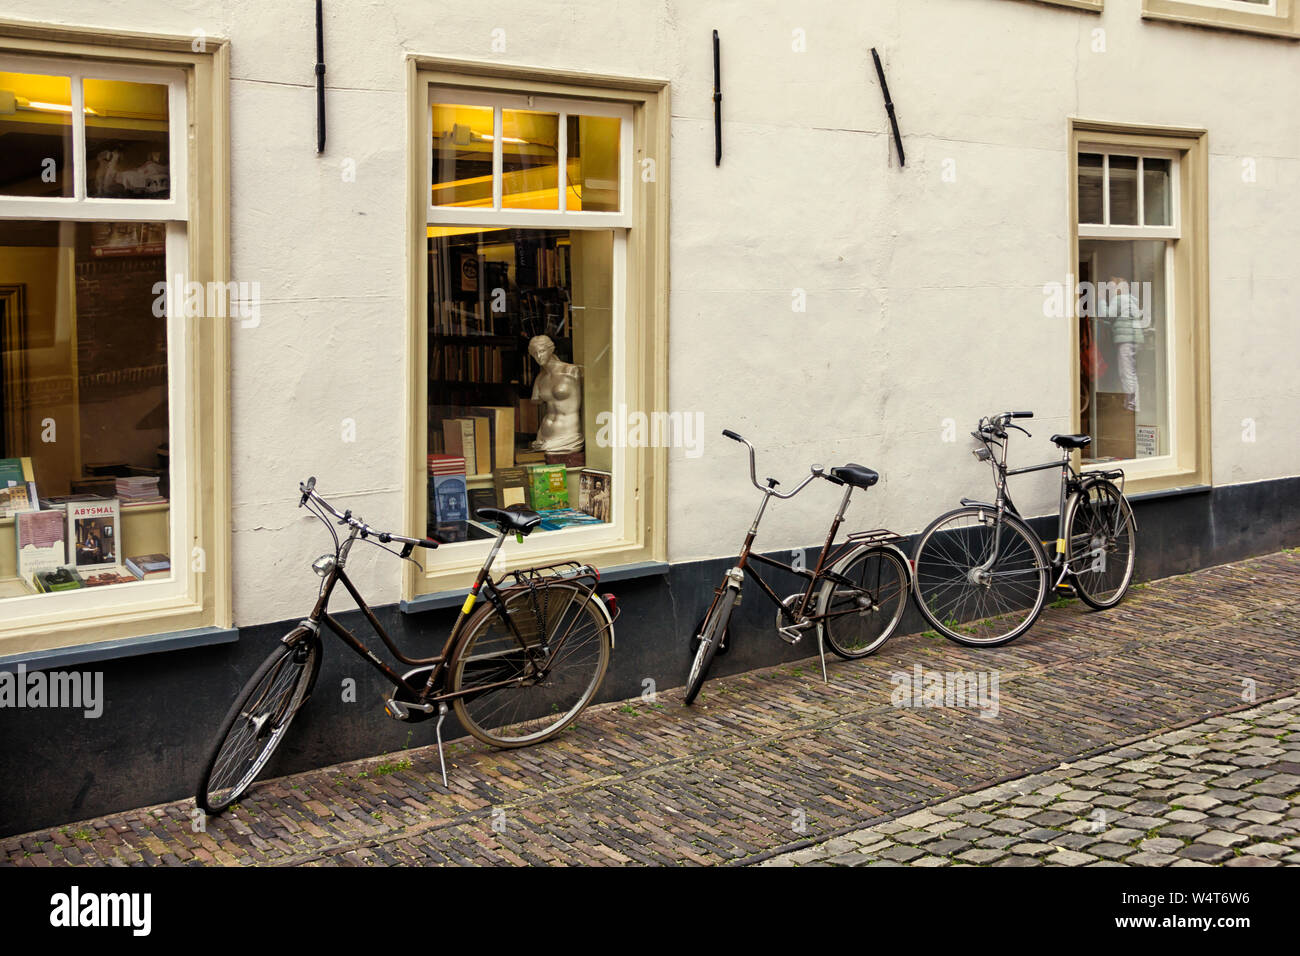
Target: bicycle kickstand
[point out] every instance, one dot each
(821, 652)
(442, 715)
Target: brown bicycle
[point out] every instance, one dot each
(854, 597)
(525, 656)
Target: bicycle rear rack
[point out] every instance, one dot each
(878, 536)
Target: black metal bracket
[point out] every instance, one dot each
(320, 80)
(717, 103)
(889, 107)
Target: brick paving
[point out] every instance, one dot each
(1223, 791)
(775, 760)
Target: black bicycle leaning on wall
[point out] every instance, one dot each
(854, 597)
(981, 575)
(525, 655)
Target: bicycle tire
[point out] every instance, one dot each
(531, 710)
(710, 636)
(950, 600)
(855, 635)
(1091, 524)
(270, 699)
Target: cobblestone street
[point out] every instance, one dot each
(1223, 791)
(774, 766)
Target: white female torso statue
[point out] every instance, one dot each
(559, 386)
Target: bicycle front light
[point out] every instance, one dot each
(323, 565)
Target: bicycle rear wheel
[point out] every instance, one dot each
(710, 638)
(966, 602)
(529, 682)
(1102, 540)
(862, 605)
(257, 722)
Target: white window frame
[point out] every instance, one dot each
(1158, 464)
(1262, 9)
(561, 218)
(33, 611)
(566, 542)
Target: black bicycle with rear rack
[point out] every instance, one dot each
(854, 597)
(981, 575)
(525, 656)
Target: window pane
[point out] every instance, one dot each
(530, 143)
(85, 410)
(1156, 192)
(1090, 188)
(35, 135)
(1123, 191)
(520, 329)
(128, 151)
(593, 145)
(1124, 329)
(462, 156)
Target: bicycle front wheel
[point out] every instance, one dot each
(524, 684)
(978, 581)
(1102, 540)
(257, 722)
(710, 637)
(861, 605)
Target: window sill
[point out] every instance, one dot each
(1091, 6)
(112, 650)
(1212, 18)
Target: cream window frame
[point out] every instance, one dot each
(197, 246)
(1187, 292)
(639, 347)
(1281, 20)
(1090, 6)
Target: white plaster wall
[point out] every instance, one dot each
(924, 296)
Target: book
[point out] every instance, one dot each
(446, 465)
(145, 565)
(482, 445)
(17, 487)
(65, 578)
(501, 422)
(570, 459)
(549, 485)
(511, 486)
(556, 519)
(449, 500)
(39, 536)
(93, 533)
(138, 490)
(458, 440)
(481, 498)
(529, 457)
(98, 579)
(594, 489)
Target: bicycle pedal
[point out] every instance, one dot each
(791, 634)
(396, 709)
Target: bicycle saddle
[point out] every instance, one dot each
(859, 476)
(1072, 441)
(510, 522)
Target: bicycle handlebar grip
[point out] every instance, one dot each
(430, 543)
(728, 433)
(1022, 414)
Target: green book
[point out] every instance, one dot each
(550, 486)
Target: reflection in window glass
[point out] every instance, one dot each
(1155, 192)
(592, 164)
(85, 346)
(1123, 191)
(1124, 324)
(530, 143)
(35, 135)
(128, 153)
(462, 155)
(519, 369)
(1090, 189)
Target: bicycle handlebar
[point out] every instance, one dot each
(308, 489)
(816, 471)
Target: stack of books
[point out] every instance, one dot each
(149, 566)
(448, 502)
(138, 490)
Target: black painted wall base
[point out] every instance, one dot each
(161, 710)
